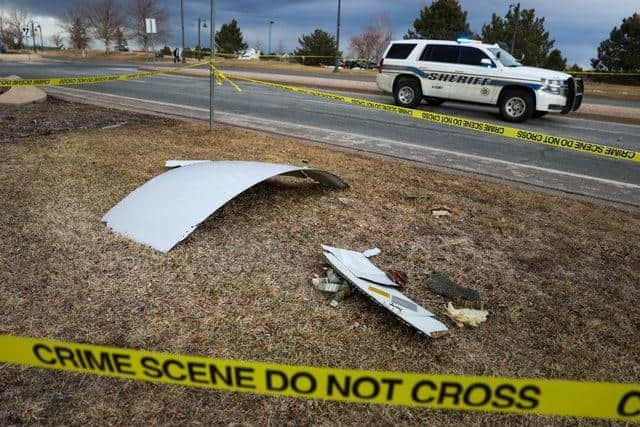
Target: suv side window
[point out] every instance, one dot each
(441, 53)
(472, 56)
(400, 50)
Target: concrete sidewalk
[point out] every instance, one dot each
(588, 111)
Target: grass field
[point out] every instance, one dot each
(560, 277)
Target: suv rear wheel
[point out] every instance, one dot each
(516, 105)
(407, 92)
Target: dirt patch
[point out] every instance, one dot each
(22, 122)
(560, 277)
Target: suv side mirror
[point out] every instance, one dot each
(486, 62)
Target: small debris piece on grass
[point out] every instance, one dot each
(466, 316)
(398, 277)
(440, 212)
(371, 252)
(445, 287)
(114, 126)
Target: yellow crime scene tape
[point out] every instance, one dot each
(476, 125)
(465, 393)
(61, 81)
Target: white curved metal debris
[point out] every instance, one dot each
(166, 209)
(386, 296)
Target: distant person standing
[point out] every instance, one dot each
(175, 56)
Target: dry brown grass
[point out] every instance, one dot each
(609, 90)
(559, 276)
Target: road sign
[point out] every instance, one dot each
(26, 31)
(150, 25)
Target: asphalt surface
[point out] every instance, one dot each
(273, 104)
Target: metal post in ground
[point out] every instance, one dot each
(182, 25)
(212, 45)
(199, 45)
(335, 69)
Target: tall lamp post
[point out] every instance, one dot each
(182, 25)
(212, 76)
(202, 22)
(335, 69)
(271, 22)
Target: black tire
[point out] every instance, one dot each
(407, 92)
(516, 105)
(539, 114)
(434, 102)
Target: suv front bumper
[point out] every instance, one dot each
(563, 104)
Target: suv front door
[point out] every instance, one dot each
(474, 71)
(437, 61)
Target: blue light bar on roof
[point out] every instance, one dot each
(465, 40)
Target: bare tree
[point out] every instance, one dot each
(11, 28)
(76, 24)
(374, 39)
(259, 47)
(138, 11)
(105, 17)
(58, 40)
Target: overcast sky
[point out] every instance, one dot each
(578, 26)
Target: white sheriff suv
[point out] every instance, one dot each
(472, 71)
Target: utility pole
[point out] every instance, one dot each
(335, 69)
(213, 55)
(182, 25)
(271, 22)
(33, 38)
(516, 14)
(41, 39)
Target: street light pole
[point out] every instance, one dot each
(200, 22)
(182, 24)
(271, 22)
(212, 45)
(335, 69)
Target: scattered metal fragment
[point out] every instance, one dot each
(371, 252)
(445, 287)
(398, 277)
(418, 197)
(360, 265)
(466, 316)
(169, 207)
(386, 296)
(113, 126)
(440, 212)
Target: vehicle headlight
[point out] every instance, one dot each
(556, 87)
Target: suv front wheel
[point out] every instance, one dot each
(516, 105)
(407, 92)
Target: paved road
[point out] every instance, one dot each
(271, 104)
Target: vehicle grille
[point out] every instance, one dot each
(575, 92)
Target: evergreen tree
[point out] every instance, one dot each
(229, 38)
(621, 51)
(531, 38)
(318, 43)
(442, 20)
(555, 61)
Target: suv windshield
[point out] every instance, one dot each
(504, 57)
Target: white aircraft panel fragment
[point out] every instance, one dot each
(166, 209)
(360, 265)
(391, 299)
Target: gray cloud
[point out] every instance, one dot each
(576, 25)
